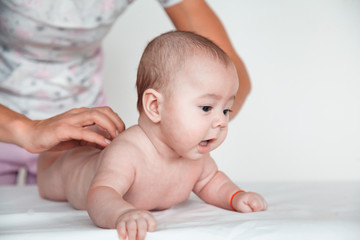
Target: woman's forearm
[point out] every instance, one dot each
(60, 132)
(13, 126)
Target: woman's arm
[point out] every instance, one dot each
(61, 132)
(196, 16)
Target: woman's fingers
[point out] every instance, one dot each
(83, 136)
(71, 129)
(104, 117)
(115, 118)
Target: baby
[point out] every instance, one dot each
(186, 86)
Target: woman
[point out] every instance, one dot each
(51, 61)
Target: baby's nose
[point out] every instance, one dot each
(221, 120)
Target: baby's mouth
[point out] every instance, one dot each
(204, 146)
(204, 143)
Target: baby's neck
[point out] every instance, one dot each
(153, 132)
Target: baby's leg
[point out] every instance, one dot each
(67, 176)
(50, 184)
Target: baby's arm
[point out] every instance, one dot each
(105, 203)
(108, 209)
(215, 188)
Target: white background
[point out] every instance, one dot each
(301, 121)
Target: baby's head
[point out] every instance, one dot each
(168, 54)
(186, 86)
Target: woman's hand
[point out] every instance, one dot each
(71, 129)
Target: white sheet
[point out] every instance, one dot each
(296, 211)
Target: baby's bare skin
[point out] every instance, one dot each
(159, 162)
(138, 178)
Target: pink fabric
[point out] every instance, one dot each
(12, 158)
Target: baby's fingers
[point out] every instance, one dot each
(135, 229)
(131, 228)
(256, 205)
(121, 230)
(151, 222)
(142, 228)
(250, 202)
(146, 224)
(244, 207)
(127, 230)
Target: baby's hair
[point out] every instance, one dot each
(165, 55)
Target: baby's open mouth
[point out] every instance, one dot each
(206, 142)
(204, 146)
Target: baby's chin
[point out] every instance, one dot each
(196, 155)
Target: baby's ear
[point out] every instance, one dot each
(152, 100)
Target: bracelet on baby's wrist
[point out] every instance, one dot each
(232, 197)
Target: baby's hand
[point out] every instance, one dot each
(134, 224)
(249, 202)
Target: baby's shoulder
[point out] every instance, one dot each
(131, 142)
(133, 136)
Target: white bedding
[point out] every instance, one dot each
(296, 211)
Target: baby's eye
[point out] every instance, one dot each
(206, 108)
(227, 111)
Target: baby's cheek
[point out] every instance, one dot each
(221, 138)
